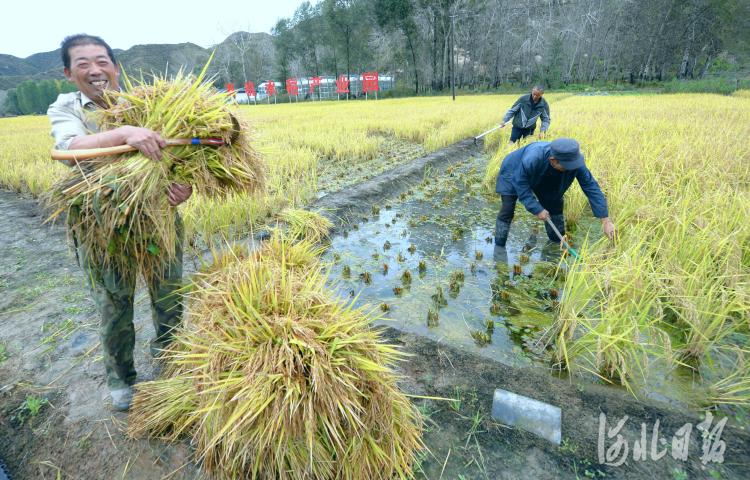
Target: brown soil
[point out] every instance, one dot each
(52, 348)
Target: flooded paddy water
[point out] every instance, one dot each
(426, 258)
(429, 262)
(471, 316)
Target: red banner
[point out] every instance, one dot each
(291, 86)
(370, 82)
(229, 87)
(314, 83)
(270, 88)
(250, 89)
(342, 84)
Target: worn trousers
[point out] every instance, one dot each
(517, 134)
(553, 205)
(113, 293)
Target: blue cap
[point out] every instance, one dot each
(567, 152)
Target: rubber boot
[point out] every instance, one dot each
(501, 232)
(559, 221)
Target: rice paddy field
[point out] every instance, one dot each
(653, 325)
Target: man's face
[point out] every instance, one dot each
(92, 71)
(536, 95)
(556, 165)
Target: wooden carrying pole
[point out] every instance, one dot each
(89, 153)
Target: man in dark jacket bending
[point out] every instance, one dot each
(538, 175)
(525, 112)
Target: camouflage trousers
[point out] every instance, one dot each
(113, 294)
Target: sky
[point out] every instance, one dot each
(133, 22)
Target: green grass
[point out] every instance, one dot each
(723, 85)
(455, 402)
(56, 332)
(30, 408)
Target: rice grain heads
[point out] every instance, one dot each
(117, 206)
(274, 377)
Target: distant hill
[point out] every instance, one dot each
(160, 58)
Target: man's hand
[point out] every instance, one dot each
(608, 227)
(502, 125)
(543, 215)
(177, 193)
(542, 134)
(147, 141)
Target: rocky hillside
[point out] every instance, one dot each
(256, 49)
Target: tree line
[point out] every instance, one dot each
(489, 43)
(33, 97)
(480, 44)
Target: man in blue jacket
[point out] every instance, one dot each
(538, 175)
(525, 112)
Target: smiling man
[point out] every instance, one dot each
(538, 175)
(90, 63)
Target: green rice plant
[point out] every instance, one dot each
(118, 207)
(454, 287)
(457, 276)
(273, 376)
(433, 317)
(438, 298)
(481, 338)
(608, 330)
(305, 224)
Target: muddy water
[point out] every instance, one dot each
(447, 225)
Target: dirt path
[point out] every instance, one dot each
(51, 343)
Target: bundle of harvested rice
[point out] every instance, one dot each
(305, 224)
(274, 377)
(118, 205)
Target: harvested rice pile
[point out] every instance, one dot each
(274, 377)
(119, 204)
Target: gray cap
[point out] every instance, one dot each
(567, 152)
